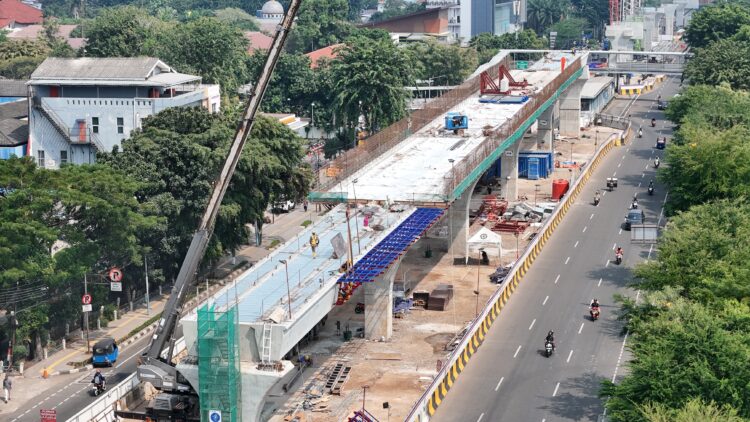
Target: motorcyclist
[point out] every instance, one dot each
(596, 198)
(653, 122)
(619, 252)
(595, 304)
(640, 132)
(651, 187)
(656, 162)
(551, 338)
(98, 380)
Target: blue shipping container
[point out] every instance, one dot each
(543, 167)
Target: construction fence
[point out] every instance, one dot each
(376, 145)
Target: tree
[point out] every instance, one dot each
(711, 165)
(733, 59)
(292, 86)
(209, 48)
(445, 64)
(488, 45)
(370, 76)
(178, 154)
(694, 410)
(395, 8)
(715, 23)
(13, 49)
(713, 107)
(569, 32)
(237, 18)
(704, 253)
(125, 31)
(357, 6)
(20, 67)
(544, 13)
(320, 23)
(682, 351)
(596, 13)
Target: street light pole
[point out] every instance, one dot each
(364, 394)
(571, 152)
(450, 212)
(148, 304)
(356, 211)
(86, 314)
(536, 190)
(516, 245)
(596, 141)
(288, 292)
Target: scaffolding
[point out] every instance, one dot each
(218, 363)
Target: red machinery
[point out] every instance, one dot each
(488, 86)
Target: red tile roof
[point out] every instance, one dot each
(327, 52)
(32, 31)
(5, 22)
(258, 41)
(19, 13)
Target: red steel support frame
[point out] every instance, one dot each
(488, 86)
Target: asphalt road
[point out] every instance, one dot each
(509, 379)
(71, 393)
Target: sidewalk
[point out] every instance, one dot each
(75, 356)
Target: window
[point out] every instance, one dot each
(120, 125)
(215, 108)
(40, 158)
(63, 157)
(95, 124)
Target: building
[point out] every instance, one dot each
(257, 41)
(15, 14)
(269, 16)
(430, 23)
(81, 106)
(596, 93)
(469, 18)
(294, 123)
(329, 53)
(33, 32)
(14, 127)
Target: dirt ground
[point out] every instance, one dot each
(398, 370)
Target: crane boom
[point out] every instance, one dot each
(153, 368)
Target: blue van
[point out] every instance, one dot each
(105, 352)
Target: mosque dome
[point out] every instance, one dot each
(272, 7)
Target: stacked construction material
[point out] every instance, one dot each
(440, 297)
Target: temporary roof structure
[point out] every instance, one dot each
(487, 239)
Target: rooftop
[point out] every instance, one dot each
(325, 52)
(258, 41)
(14, 129)
(32, 31)
(18, 12)
(595, 85)
(140, 71)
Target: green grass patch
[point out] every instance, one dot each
(274, 243)
(138, 329)
(306, 223)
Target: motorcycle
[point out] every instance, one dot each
(650, 190)
(653, 122)
(656, 163)
(98, 389)
(548, 348)
(594, 312)
(634, 205)
(618, 258)
(640, 133)
(596, 201)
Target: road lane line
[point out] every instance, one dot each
(639, 184)
(480, 417)
(592, 216)
(558, 276)
(555, 392)
(618, 165)
(646, 168)
(517, 350)
(600, 280)
(497, 387)
(614, 174)
(620, 232)
(604, 193)
(569, 356)
(624, 340)
(650, 249)
(584, 229)
(576, 245)
(614, 245)
(607, 264)
(566, 260)
(532, 323)
(581, 328)
(545, 301)
(642, 175)
(623, 157)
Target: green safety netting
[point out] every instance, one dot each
(218, 363)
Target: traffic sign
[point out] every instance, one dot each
(214, 415)
(115, 274)
(115, 286)
(86, 299)
(86, 308)
(48, 415)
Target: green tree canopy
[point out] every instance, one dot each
(373, 73)
(292, 86)
(320, 23)
(445, 64)
(569, 32)
(237, 18)
(722, 61)
(718, 107)
(542, 14)
(714, 23)
(487, 45)
(125, 31)
(704, 253)
(694, 410)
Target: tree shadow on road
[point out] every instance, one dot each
(578, 399)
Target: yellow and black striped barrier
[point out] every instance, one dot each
(501, 297)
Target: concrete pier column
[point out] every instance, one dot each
(509, 172)
(546, 123)
(379, 305)
(570, 110)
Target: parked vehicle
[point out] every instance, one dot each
(105, 352)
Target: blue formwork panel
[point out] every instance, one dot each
(533, 173)
(380, 257)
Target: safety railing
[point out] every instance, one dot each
(463, 169)
(376, 145)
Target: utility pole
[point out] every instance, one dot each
(288, 292)
(364, 394)
(86, 314)
(145, 265)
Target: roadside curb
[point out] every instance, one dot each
(71, 371)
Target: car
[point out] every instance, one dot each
(283, 205)
(662, 105)
(105, 352)
(635, 216)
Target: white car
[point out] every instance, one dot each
(284, 205)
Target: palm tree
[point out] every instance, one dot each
(544, 13)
